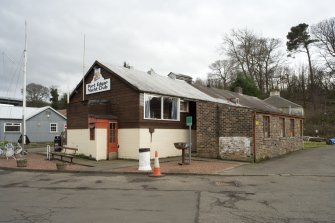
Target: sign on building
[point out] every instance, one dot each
(98, 84)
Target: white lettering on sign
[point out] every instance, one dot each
(98, 84)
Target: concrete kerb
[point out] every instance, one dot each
(87, 172)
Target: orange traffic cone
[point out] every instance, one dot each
(157, 169)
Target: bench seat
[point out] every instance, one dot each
(64, 154)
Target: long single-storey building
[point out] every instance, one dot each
(253, 132)
(115, 111)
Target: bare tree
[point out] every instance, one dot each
(324, 32)
(256, 57)
(222, 73)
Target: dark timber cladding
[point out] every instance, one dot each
(122, 101)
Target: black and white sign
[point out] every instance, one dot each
(98, 84)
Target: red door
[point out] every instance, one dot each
(112, 137)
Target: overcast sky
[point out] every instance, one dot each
(182, 36)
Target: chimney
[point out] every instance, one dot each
(238, 90)
(182, 77)
(274, 93)
(151, 72)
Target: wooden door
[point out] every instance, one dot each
(112, 137)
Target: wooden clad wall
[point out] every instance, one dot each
(122, 101)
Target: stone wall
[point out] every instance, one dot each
(207, 129)
(227, 132)
(235, 133)
(275, 145)
(233, 123)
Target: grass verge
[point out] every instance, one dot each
(309, 145)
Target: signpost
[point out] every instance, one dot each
(189, 124)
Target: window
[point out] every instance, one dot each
(92, 133)
(282, 127)
(160, 107)
(184, 106)
(112, 132)
(53, 128)
(170, 108)
(153, 106)
(301, 128)
(291, 127)
(266, 126)
(13, 127)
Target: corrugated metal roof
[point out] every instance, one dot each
(244, 100)
(15, 112)
(280, 102)
(155, 83)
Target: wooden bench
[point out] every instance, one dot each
(63, 153)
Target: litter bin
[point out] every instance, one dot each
(144, 159)
(57, 144)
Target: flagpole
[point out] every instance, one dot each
(84, 71)
(24, 88)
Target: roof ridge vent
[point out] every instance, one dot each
(235, 100)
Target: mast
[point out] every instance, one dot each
(24, 88)
(84, 71)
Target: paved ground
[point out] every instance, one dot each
(299, 187)
(309, 162)
(37, 161)
(316, 159)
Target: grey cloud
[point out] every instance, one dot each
(180, 36)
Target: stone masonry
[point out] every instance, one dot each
(276, 145)
(228, 132)
(207, 130)
(231, 122)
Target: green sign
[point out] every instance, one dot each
(189, 120)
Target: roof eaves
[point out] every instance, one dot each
(42, 110)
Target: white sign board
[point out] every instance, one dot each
(98, 84)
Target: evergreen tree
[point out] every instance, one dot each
(299, 40)
(54, 98)
(247, 84)
(63, 102)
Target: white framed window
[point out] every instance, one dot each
(12, 127)
(53, 128)
(161, 107)
(184, 106)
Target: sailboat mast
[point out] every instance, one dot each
(84, 70)
(24, 89)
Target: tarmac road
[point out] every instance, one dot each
(297, 188)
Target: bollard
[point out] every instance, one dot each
(48, 152)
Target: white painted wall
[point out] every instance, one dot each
(80, 138)
(130, 140)
(129, 143)
(234, 145)
(101, 144)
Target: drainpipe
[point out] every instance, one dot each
(254, 136)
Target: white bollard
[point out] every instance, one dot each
(48, 152)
